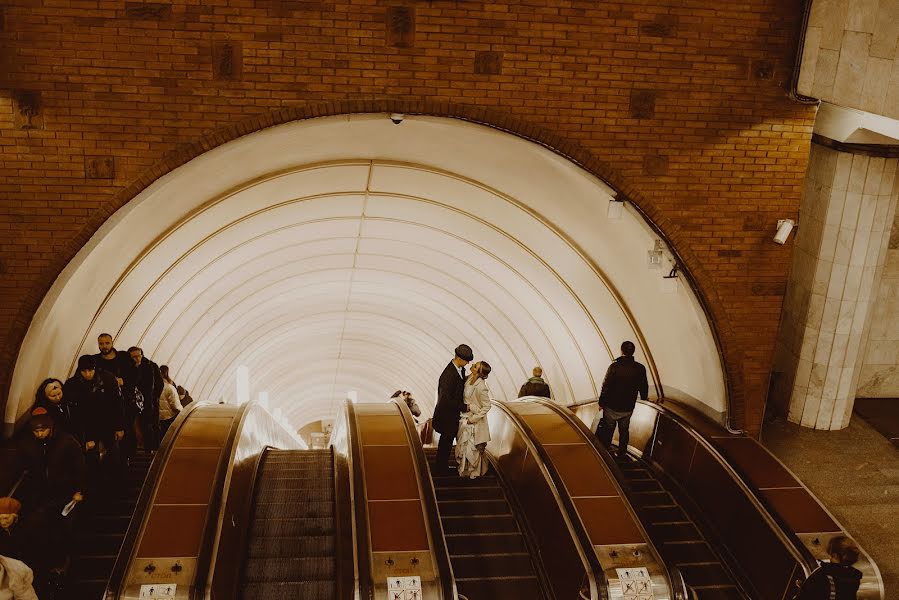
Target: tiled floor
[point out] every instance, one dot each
(855, 473)
(882, 414)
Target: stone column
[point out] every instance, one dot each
(845, 220)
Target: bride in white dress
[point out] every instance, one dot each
(474, 432)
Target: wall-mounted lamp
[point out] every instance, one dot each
(654, 256)
(784, 227)
(616, 209)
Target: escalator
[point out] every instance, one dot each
(679, 538)
(488, 551)
(99, 533)
(291, 545)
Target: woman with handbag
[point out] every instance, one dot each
(474, 432)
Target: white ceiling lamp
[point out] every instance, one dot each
(243, 384)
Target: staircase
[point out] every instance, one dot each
(100, 530)
(488, 552)
(677, 537)
(291, 549)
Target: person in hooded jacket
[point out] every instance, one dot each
(54, 478)
(50, 395)
(838, 579)
(100, 412)
(54, 464)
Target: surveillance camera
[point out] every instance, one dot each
(397, 118)
(784, 227)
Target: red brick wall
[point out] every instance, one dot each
(681, 107)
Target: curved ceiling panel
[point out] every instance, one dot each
(348, 254)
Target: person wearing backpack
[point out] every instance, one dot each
(837, 579)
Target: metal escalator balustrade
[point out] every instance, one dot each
(398, 524)
(291, 553)
(585, 519)
(488, 551)
(767, 526)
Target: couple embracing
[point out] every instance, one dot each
(463, 400)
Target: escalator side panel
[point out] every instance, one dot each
(257, 430)
(561, 555)
(401, 542)
(167, 545)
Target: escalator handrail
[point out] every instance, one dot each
(777, 525)
(617, 477)
(432, 512)
(359, 495)
(592, 567)
(144, 500)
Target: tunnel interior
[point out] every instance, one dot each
(347, 256)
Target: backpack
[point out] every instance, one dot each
(133, 397)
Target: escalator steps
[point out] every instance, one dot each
(292, 527)
(488, 552)
(290, 510)
(292, 546)
(291, 543)
(290, 590)
(485, 543)
(317, 568)
(678, 540)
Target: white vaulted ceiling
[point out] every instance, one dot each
(353, 254)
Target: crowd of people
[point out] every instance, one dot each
(80, 439)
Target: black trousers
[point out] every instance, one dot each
(444, 448)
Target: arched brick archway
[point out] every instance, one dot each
(572, 151)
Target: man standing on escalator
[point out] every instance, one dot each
(450, 405)
(624, 380)
(144, 374)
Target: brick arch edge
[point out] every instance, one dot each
(689, 266)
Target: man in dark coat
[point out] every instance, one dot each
(100, 410)
(450, 405)
(144, 375)
(624, 380)
(117, 363)
(535, 386)
(111, 360)
(55, 477)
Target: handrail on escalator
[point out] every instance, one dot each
(364, 582)
(593, 571)
(119, 570)
(780, 529)
(432, 513)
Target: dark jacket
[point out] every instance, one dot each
(115, 367)
(148, 380)
(624, 380)
(55, 469)
(817, 587)
(450, 403)
(535, 386)
(64, 415)
(100, 412)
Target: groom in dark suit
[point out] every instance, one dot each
(450, 406)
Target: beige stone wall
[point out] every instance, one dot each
(851, 56)
(844, 228)
(879, 376)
